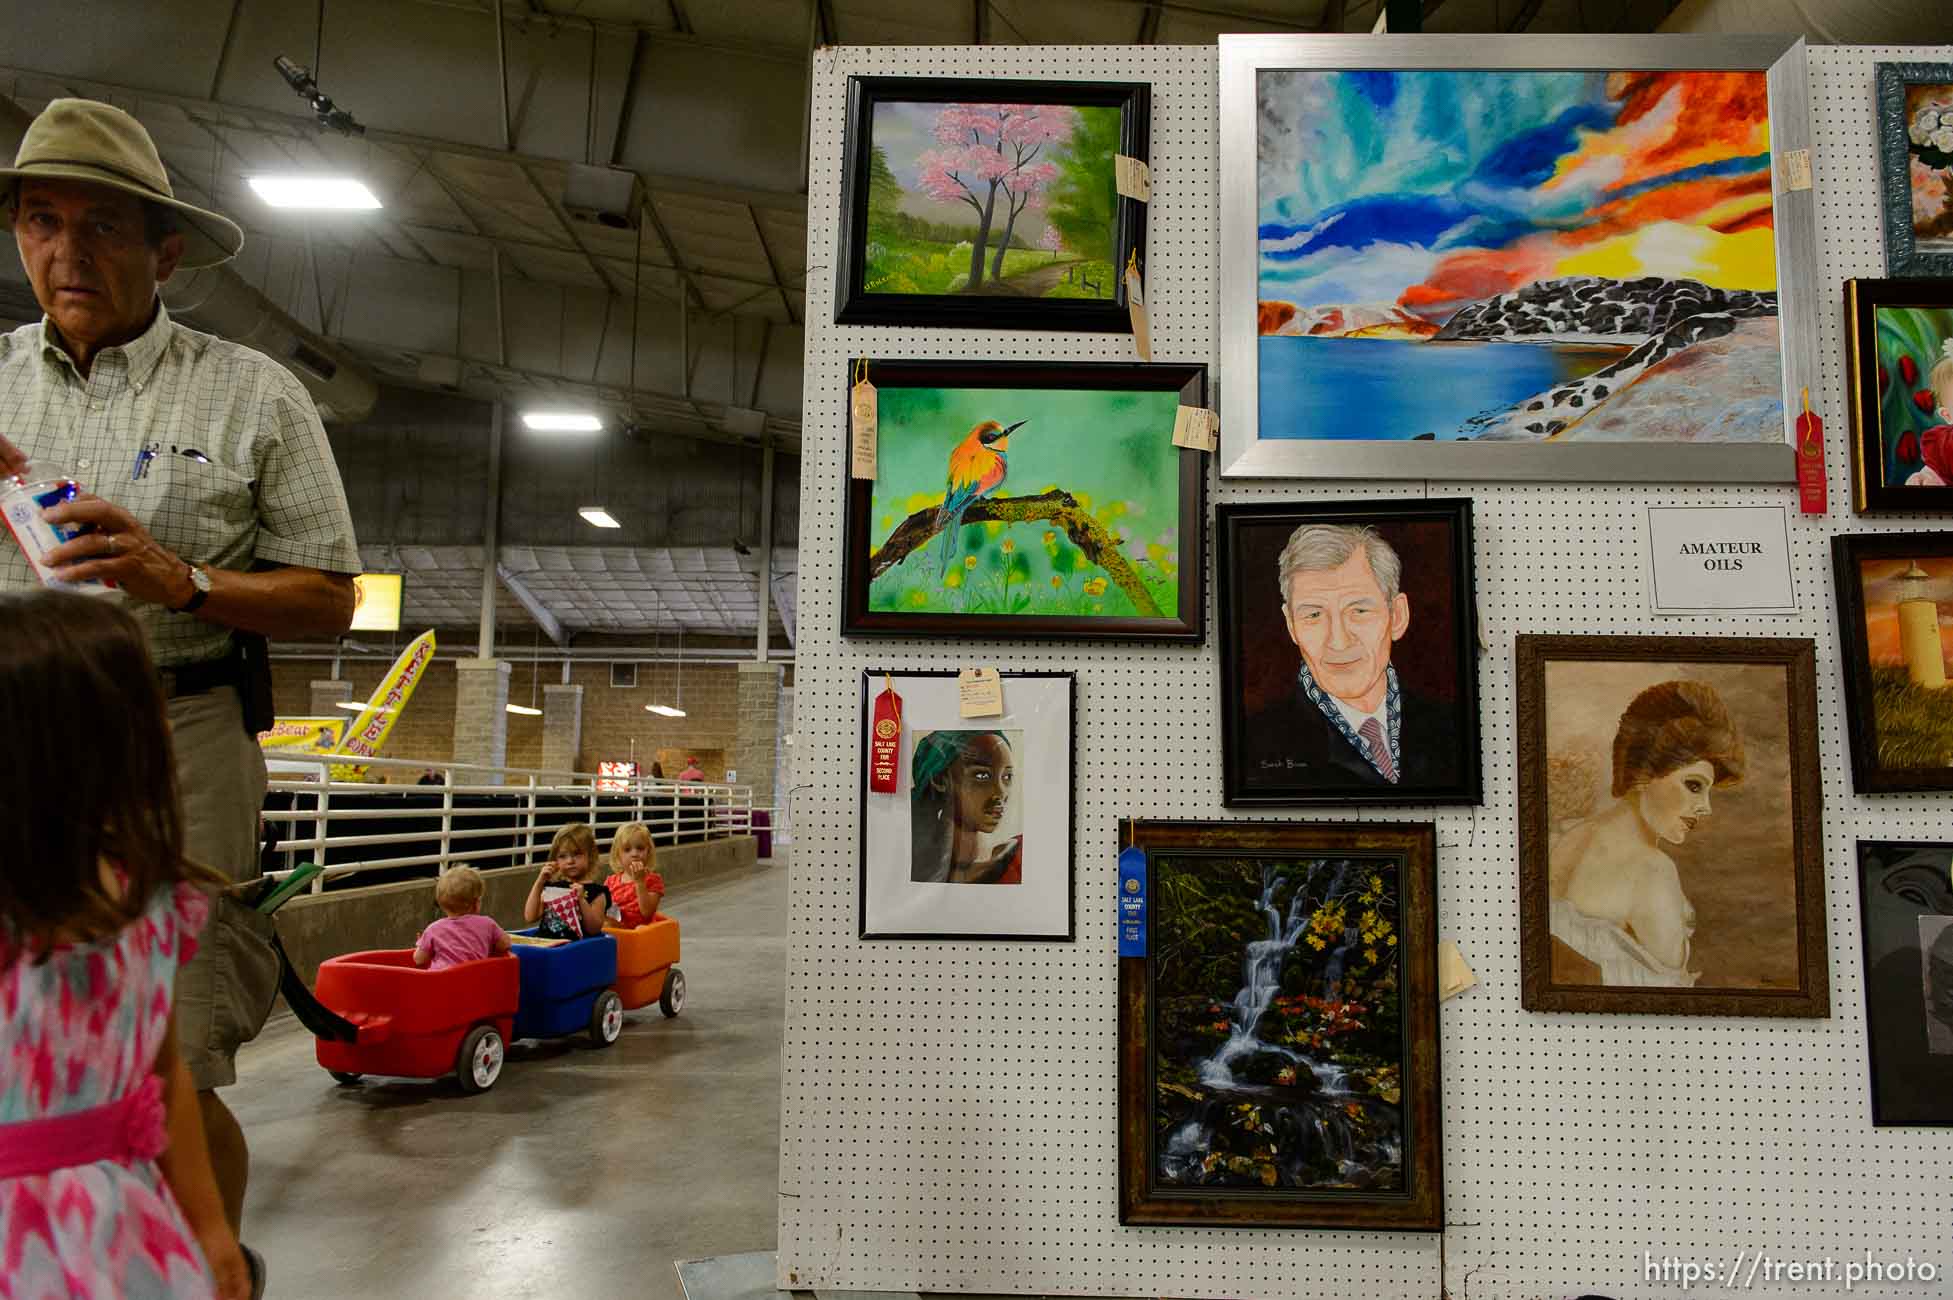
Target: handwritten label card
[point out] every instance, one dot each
(864, 413)
(1454, 976)
(1793, 170)
(1196, 427)
(1719, 560)
(1142, 324)
(1132, 178)
(980, 694)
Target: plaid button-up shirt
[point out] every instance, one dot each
(267, 493)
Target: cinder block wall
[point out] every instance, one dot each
(612, 718)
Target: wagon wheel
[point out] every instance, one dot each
(672, 1000)
(479, 1062)
(606, 1019)
(347, 1077)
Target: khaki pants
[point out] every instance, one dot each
(224, 992)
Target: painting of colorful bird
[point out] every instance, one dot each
(976, 469)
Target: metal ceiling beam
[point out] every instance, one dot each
(628, 102)
(569, 230)
(224, 49)
(772, 267)
(663, 35)
(681, 21)
(1149, 24)
(551, 625)
(980, 22)
(830, 31)
(649, 212)
(261, 119)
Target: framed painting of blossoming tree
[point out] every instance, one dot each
(988, 203)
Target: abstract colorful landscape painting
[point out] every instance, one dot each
(1015, 502)
(1540, 256)
(1004, 200)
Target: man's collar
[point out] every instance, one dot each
(140, 355)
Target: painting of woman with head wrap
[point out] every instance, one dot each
(961, 825)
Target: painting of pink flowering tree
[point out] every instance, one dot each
(1008, 200)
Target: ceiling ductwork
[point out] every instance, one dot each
(218, 301)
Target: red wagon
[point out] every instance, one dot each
(419, 1024)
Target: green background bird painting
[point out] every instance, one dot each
(1111, 450)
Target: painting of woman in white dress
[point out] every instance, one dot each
(1670, 849)
(1618, 904)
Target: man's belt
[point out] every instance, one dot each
(199, 678)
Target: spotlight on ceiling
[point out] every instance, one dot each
(319, 193)
(664, 710)
(562, 422)
(330, 116)
(524, 710)
(598, 517)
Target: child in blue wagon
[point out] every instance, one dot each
(463, 933)
(565, 903)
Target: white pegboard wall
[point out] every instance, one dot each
(949, 1113)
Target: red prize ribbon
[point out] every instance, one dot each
(1810, 460)
(885, 741)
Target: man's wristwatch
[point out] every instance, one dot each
(199, 589)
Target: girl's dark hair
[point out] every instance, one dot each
(86, 770)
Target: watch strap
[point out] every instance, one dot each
(199, 592)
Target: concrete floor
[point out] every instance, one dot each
(582, 1172)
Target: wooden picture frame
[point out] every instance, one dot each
(1358, 1143)
(1281, 745)
(1905, 910)
(1662, 726)
(1019, 883)
(1892, 710)
(1898, 333)
(1898, 151)
(1382, 324)
(1103, 542)
(868, 173)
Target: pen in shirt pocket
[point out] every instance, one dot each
(191, 453)
(140, 469)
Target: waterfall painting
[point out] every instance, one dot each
(988, 202)
(1279, 1051)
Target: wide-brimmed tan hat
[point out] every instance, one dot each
(86, 140)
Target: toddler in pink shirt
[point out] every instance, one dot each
(463, 934)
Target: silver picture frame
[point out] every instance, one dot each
(1902, 255)
(1245, 454)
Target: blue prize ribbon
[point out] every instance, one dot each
(1132, 903)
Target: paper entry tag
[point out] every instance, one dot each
(1132, 903)
(1132, 178)
(862, 410)
(980, 693)
(1793, 170)
(1196, 427)
(1142, 326)
(1454, 977)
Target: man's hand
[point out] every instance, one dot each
(119, 550)
(12, 460)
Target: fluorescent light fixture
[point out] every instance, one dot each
(562, 421)
(337, 193)
(664, 710)
(524, 710)
(598, 517)
(357, 706)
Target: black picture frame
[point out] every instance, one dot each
(1849, 552)
(853, 305)
(1903, 888)
(1902, 256)
(873, 681)
(1250, 606)
(1407, 852)
(1871, 493)
(860, 565)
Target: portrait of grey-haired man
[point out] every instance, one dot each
(1348, 720)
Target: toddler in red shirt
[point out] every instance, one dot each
(463, 934)
(635, 889)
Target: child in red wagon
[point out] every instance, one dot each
(565, 903)
(463, 933)
(635, 888)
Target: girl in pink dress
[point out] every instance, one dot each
(105, 1183)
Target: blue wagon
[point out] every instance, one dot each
(566, 989)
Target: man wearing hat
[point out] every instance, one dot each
(210, 493)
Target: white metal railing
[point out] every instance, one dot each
(505, 825)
